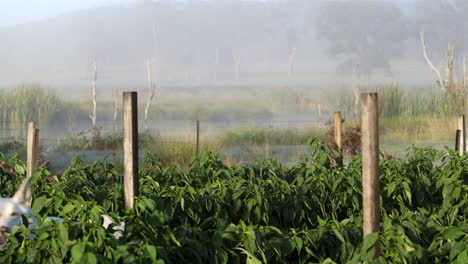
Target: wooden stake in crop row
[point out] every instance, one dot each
(197, 151)
(370, 166)
(130, 144)
(462, 139)
(32, 149)
(337, 127)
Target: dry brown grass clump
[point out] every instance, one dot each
(351, 139)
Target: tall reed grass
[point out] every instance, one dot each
(171, 151)
(394, 101)
(27, 103)
(253, 136)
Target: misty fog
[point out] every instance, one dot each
(218, 42)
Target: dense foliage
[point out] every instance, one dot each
(262, 212)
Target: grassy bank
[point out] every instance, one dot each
(238, 146)
(263, 136)
(419, 128)
(26, 103)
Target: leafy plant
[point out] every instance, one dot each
(256, 213)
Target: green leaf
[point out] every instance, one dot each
(462, 257)
(90, 258)
(369, 242)
(31, 255)
(250, 241)
(77, 252)
(67, 209)
(453, 233)
(19, 169)
(182, 203)
(43, 236)
(299, 243)
(151, 251)
(251, 259)
(455, 251)
(338, 234)
(38, 204)
(391, 188)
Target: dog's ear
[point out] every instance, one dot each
(23, 195)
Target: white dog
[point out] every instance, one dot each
(11, 210)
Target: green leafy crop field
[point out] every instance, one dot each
(256, 213)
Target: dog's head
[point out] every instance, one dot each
(11, 209)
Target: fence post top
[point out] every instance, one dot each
(371, 94)
(364, 96)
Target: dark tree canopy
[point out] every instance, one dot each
(366, 34)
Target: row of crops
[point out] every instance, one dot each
(256, 213)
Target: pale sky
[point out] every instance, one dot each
(14, 12)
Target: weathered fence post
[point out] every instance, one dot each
(457, 140)
(337, 128)
(32, 148)
(462, 141)
(370, 166)
(130, 145)
(36, 145)
(197, 151)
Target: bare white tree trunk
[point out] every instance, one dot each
(465, 75)
(93, 115)
(155, 41)
(236, 59)
(291, 59)
(450, 60)
(116, 107)
(151, 85)
(356, 91)
(151, 89)
(216, 66)
(439, 75)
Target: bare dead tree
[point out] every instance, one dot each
(216, 66)
(356, 90)
(450, 60)
(93, 115)
(291, 59)
(149, 71)
(448, 82)
(151, 89)
(155, 40)
(237, 62)
(116, 107)
(465, 75)
(426, 57)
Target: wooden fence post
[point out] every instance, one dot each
(457, 140)
(32, 149)
(462, 141)
(36, 145)
(370, 166)
(337, 127)
(198, 138)
(130, 145)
